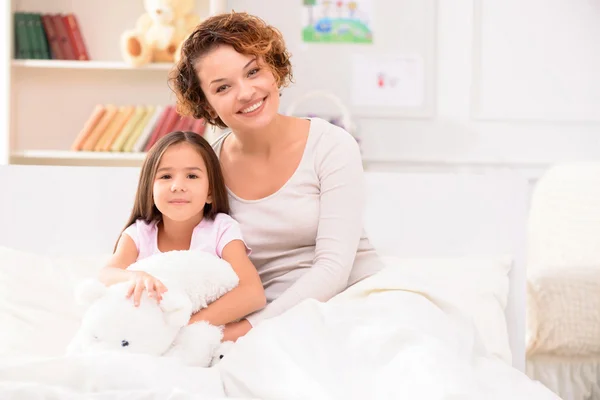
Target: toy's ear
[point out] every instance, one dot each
(89, 291)
(177, 308)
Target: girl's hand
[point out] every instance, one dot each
(142, 280)
(235, 330)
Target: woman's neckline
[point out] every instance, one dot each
(287, 182)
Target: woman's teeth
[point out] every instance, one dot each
(252, 108)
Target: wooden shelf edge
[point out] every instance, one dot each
(95, 65)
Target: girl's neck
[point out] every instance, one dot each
(178, 233)
(266, 141)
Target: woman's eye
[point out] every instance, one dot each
(221, 88)
(253, 71)
(192, 176)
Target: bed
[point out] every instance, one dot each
(450, 227)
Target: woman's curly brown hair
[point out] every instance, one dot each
(247, 34)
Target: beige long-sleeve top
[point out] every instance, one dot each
(307, 239)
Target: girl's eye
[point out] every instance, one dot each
(192, 176)
(253, 71)
(165, 177)
(221, 88)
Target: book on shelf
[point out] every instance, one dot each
(131, 128)
(46, 36)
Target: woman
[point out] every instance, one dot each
(295, 185)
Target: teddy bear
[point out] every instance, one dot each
(111, 321)
(159, 32)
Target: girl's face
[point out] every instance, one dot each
(181, 187)
(240, 88)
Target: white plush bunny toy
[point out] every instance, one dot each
(194, 279)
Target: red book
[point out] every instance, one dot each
(52, 37)
(170, 123)
(157, 128)
(199, 126)
(75, 37)
(181, 124)
(189, 124)
(62, 33)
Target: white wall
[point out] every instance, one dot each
(462, 132)
(517, 86)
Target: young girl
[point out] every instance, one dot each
(181, 203)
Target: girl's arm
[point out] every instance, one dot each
(115, 270)
(244, 299)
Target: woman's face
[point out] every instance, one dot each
(240, 88)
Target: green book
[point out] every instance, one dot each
(34, 39)
(23, 48)
(40, 34)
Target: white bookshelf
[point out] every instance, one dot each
(50, 100)
(108, 65)
(65, 157)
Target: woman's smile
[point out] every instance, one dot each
(254, 108)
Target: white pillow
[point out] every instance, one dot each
(38, 314)
(563, 311)
(479, 286)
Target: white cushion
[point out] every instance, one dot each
(38, 314)
(563, 311)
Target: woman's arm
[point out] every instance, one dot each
(340, 173)
(244, 299)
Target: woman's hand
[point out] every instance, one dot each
(142, 280)
(235, 330)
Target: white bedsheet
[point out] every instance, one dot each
(391, 336)
(106, 376)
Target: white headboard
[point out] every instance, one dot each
(81, 210)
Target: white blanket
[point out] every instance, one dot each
(391, 336)
(388, 337)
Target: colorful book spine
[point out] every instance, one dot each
(130, 128)
(139, 113)
(139, 144)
